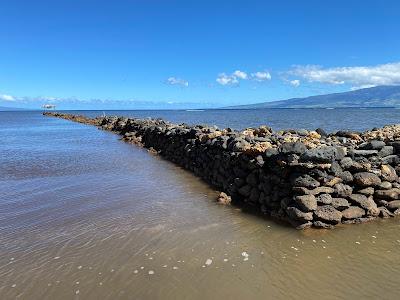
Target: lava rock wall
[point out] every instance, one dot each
(306, 178)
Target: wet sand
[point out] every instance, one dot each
(86, 216)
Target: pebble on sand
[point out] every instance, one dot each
(208, 262)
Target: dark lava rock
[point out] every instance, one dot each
(328, 214)
(322, 225)
(304, 226)
(385, 213)
(367, 191)
(359, 220)
(252, 179)
(305, 181)
(367, 203)
(353, 212)
(346, 176)
(385, 185)
(321, 132)
(306, 202)
(298, 215)
(245, 190)
(364, 152)
(366, 179)
(321, 155)
(340, 203)
(343, 190)
(386, 151)
(391, 160)
(372, 145)
(393, 205)
(324, 199)
(296, 147)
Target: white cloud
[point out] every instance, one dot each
(177, 81)
(261, 76)
(234, 78)
(295, 82)
(362, 76)
(7, 98)
(240, 74)
(224, 79)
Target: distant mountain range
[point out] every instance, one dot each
(380, 96)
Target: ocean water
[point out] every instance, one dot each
(311, 119)
(84, 215)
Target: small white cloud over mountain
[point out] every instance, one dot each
(361, 76)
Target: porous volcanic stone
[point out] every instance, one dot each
(306, 202)
(297, 214)
(340, 203)
(366, 179)
(353, 212)
(328, 214)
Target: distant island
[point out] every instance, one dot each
(380, 96)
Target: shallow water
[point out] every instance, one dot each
(86, 216)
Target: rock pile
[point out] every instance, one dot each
(307, 178)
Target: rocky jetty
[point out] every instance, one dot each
(306, 178)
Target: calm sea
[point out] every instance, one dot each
(86, 216)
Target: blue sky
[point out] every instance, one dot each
(186, 54)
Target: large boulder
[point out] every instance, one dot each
(324, 199)
(306, 181)
(298, 215)
(343, 190)
(340, 203)
(328, 214)
(388, 173)
(353, 212)
(292, 147)
(393, 205)
(321, 155)
(367, 179)
(306, 202)
(385, 213)
(392, 194)
(366, 203)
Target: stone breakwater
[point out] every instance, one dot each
(306, 178)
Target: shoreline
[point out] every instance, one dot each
(304, 178)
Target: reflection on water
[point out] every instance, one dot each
(85, 216)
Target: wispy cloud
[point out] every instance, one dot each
(295, 82)
(240, 74)
(261, 76)
(177, 81)
(234, 78)
(361, 76)
(229, 80)
(7, 98)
